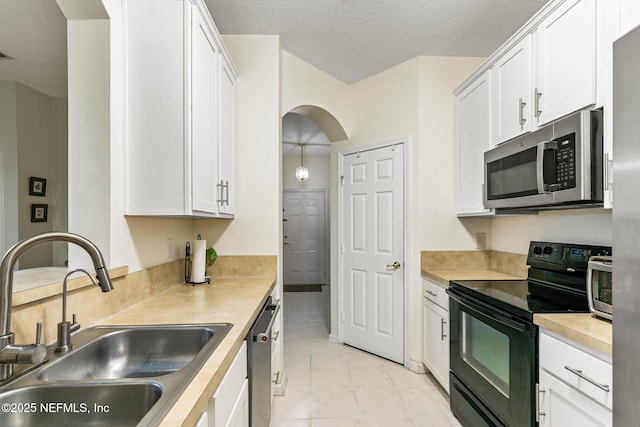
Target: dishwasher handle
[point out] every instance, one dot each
(264, 337)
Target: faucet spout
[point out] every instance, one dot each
(34, 354)
(12, 255)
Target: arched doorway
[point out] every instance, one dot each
(307, 133)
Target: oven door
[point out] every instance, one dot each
(494, 356)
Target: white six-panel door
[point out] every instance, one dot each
(372, 251)
(304, 231)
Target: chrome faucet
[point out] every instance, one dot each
(35, 353)
(65, 328)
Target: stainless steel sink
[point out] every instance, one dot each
(78, 404)
(138, 372)
(136, 352)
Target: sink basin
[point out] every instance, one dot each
(78, 405)
(134, 374)
(136, 352)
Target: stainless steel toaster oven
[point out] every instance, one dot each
(600, 286)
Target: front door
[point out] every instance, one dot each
(304, 237)
(372, 251)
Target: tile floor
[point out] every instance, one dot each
(336, 385)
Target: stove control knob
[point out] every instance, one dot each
(537, 250)
(547, 250)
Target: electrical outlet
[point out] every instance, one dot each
(481, 240)
(170, 248)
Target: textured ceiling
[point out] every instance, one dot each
(349, 39)
(354, 39)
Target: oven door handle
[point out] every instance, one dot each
(491, 313)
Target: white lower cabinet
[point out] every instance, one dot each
(229, 405)
(575, 385)
(435, 320)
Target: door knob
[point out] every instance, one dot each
(395, 265)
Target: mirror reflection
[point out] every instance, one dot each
(33, 134)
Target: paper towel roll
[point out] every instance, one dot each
(199, 261)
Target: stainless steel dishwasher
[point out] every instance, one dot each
(259, 365)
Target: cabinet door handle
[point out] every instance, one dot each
(536, 97)
(226, 198)
(220, 195)
(521, 106)
(275, 336)
(579, 373)
(277, 375)
(433, 294)
(442, 334)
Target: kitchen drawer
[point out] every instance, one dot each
(558, 358)
(436, 293)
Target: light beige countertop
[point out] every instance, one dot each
(443, 276)
(583, 328)
(232, 300)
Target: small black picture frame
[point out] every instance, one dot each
(37, 186)
(39, 213)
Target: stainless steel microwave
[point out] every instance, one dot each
(557, 166)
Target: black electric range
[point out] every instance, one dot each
(494, 342)
(556, 282)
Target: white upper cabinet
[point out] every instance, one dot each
(512, 93)
(473, 107)
(204, 116)
(180, 111)
(549, 72)
(565, 61)
(227, 126)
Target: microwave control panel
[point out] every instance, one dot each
(566, 162)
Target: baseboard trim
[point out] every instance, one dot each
(416, 367)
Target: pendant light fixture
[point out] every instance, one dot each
(302, 173)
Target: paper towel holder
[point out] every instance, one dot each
(187, 267)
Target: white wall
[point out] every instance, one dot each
(588, 226)
(38, 152)
(9, 166)
(60, 193)
(89, 135)
(34, 143)
(304, 84)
